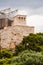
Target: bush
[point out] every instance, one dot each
(19, 48)
(28, 58)
(5, 61)
(4, 53)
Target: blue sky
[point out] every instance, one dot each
(34, 8)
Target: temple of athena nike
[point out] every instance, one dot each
(13, 28)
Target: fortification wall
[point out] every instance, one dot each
(13, 35)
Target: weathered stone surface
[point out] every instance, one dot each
(13, 35)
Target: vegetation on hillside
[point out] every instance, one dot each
(28, 52)
(32, 41)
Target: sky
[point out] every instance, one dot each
(32, 8)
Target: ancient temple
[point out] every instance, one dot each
(15, 30)
(4, 21)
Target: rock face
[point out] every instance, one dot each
(13, 35)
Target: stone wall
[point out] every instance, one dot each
(13, 35)
(19, 20)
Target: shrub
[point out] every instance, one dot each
(4, 53)
(28, 58)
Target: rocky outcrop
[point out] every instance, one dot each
(10, 36)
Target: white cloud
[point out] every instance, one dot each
(36, 21)
(34, 18)
(38, 11)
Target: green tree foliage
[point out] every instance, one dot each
(24, 58)
(28, 52)
(32, 41)
(4, 53)
(19, 48)
(28, 58)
